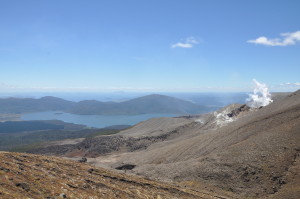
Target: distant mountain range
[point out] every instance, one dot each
(143, 105)
(26, 105)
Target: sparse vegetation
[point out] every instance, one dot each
(36, 176)
(103, 132)
(27, 135)
(19, 126)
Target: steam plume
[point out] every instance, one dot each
(260, 97)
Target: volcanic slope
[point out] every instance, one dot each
(36, 176)
(247, 152)
(136, 138)
(255, 155)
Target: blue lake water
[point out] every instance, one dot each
(97, 121)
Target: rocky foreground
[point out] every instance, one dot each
(36, 176)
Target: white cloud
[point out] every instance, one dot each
(189, 43)
(286, 40)
(191, 40)
(288, 84)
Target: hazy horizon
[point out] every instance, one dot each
(199, 98)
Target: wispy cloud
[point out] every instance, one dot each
(16, 88)
(286, 87)
(288, 84)
(286, 40)
(189, 43)
(7, 86)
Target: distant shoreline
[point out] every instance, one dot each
(9, 117)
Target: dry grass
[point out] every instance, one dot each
(36, 176)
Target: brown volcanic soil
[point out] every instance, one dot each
(36, 176)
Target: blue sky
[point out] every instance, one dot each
(157, 45)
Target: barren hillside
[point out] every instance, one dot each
(248, 152)
(36, 176)
(256, 155)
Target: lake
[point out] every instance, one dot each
(97, 121)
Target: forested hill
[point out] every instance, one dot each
(25, 105)
(142, 105)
